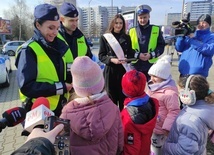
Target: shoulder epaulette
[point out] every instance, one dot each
(27, 43)
(24, 45)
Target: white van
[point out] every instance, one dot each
(11, 47)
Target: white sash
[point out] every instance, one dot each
(117, 49)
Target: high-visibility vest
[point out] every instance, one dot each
(152, 41)
(44, 66)
(81, 46)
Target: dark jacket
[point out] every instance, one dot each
(139, 120)
(72, 42)
(36, 146)
(113, 73)
(26, 64)
(144, 33)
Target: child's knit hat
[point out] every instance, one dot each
(162, 68)
(87, 77)
(205, 17)
(133, 83)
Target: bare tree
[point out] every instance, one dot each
(21, 20)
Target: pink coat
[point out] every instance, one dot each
(169, 107)
(96, 128)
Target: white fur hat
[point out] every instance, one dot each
(162, 68)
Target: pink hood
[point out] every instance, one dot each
(92, 122)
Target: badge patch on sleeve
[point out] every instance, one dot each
(130, 138)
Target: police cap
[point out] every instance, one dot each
(46, 12)
(68, 10)
(142, 9)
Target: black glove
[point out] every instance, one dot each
(27, 104)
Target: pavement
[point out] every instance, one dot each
(10, 137)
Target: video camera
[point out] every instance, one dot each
(184, 27)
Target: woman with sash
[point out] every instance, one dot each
(115, 51)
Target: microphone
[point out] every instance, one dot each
(12, 117)
(39, 101)
(39, 111)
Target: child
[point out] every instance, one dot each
(189, 132)
(139, 115)
(164, 89)
(95, 122)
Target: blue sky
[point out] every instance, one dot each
(159, 7)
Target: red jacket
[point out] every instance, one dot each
(137, 137)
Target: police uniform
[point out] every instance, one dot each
(41, 65)
(147, 38)
(77, 41)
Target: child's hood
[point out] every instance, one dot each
(204, 111)
(91, 121)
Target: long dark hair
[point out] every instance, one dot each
(113, 21)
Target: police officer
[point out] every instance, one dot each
(41, 63)
(147, 39)
(70, 33)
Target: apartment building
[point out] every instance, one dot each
(93, 21)
(111, 11)
(171, 17)
(58, 3)
(196, 8)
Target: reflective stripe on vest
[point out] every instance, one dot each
(17, 51)
(44, 66)
(152, 41)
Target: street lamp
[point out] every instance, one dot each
(111, 8)
(166, 15)
(182, 13)
(20, 28)
(89, 18)
(20, 21)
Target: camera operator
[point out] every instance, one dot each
(197, 49)
(39, 142)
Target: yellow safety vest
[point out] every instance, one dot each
(81, 46)
(44, 66)
(152, 41)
